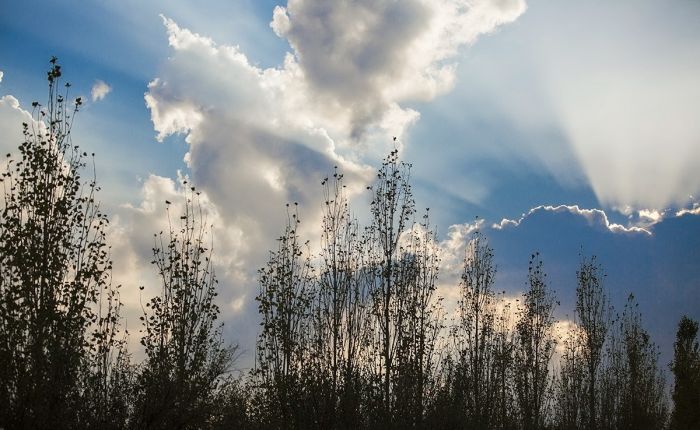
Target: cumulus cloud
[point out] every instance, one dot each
(254, 142)
(100, 90)
(453, 247)
(365, 58)
(259, 138)
(11, 118)
(131, 235)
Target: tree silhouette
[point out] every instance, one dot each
(58, 308)
(686, 369)
(186, 359)
(352, 337)
(392, 208)
(633, 394)
(534, 348)
(571, 385)
(476, 333)
(339, 312)
(594, 316)
(405, 313)
(284, 303)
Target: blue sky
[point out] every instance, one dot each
(577, 121)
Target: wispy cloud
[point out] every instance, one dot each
(100, 90)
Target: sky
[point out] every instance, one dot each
(569, 128)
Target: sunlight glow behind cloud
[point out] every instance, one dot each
(627, 96)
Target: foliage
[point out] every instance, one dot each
(58, 309)
(534, 348)
(686, 369)
(186, 359)
(594, 316)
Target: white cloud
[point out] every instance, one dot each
(100, 90)
(651, 215)
(11, 118)
(131, 236)
(363, 59)
(135, 226)
(453, 247)
(256, 140)
(259, 138)
(595, 217)
(505, 223)
(1, 75)
(695, 210)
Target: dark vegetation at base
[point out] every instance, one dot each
(355, 337)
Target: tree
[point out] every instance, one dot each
(419, 325)
(570, 384)
(392, 209)
(534, 348)
(186, 359)
(350, 341)
(634, 392)
(284, 303)
(476, 333)
(339, 311)
(58, 308)
(686, 370)
(593, 314)
(402, 262)
(505, 415)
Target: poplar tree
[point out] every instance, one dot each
(58, 309)
(476, 333)
(282, 353)
(594, 316)
(534, 348)
(686, 370)
(186, 358)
